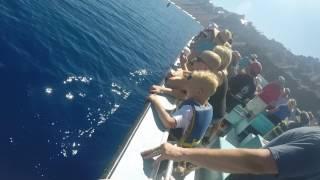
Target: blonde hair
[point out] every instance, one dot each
(211, 59)
(207, 81)
(225, 54)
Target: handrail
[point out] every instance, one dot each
(169, 170)
(155, 170)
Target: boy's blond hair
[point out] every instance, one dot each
(207, 81)
(225, 54)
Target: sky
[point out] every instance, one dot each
(294, 23)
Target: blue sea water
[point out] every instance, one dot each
(74, 75)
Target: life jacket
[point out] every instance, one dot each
(201, 119)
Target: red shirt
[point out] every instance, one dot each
(270, 93)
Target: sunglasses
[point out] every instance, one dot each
(188, 76)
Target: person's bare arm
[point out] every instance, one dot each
(168, 121)
(252, 161)
(272, 110)
(183, 62)
(177, 93)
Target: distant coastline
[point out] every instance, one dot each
(301, 72)
(201, 10)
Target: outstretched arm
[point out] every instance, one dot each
(168, 121)
(177, 93)
(183, 62)
(252, 161)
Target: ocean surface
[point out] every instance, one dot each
(74, 75)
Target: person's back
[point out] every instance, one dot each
(270, 93)
(243, 86)
(233, 68)
(279, 114)
(194, 130)
(297, 156)
(218, 100)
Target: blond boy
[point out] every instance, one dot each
(195, 113)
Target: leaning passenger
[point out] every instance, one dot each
(209, 40)
(218, 100)
(195, 113)
(207, 61)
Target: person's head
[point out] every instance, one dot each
(201, 85)
(292, 103)
(304, 118)
(254, 69)
(236, 56)
(281, 81)
(312, 117)
(286, 92)
(224, 36)
(313, 120)
(225, 55)
(207, 60)
(253, 57)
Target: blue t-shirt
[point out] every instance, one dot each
(297, 155)
(282, 112)
(204, 44)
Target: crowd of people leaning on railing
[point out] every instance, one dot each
(213, 79)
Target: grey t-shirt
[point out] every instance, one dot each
(297, 155)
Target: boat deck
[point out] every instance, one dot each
(149, 134)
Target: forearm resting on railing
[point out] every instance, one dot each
(252, 161)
